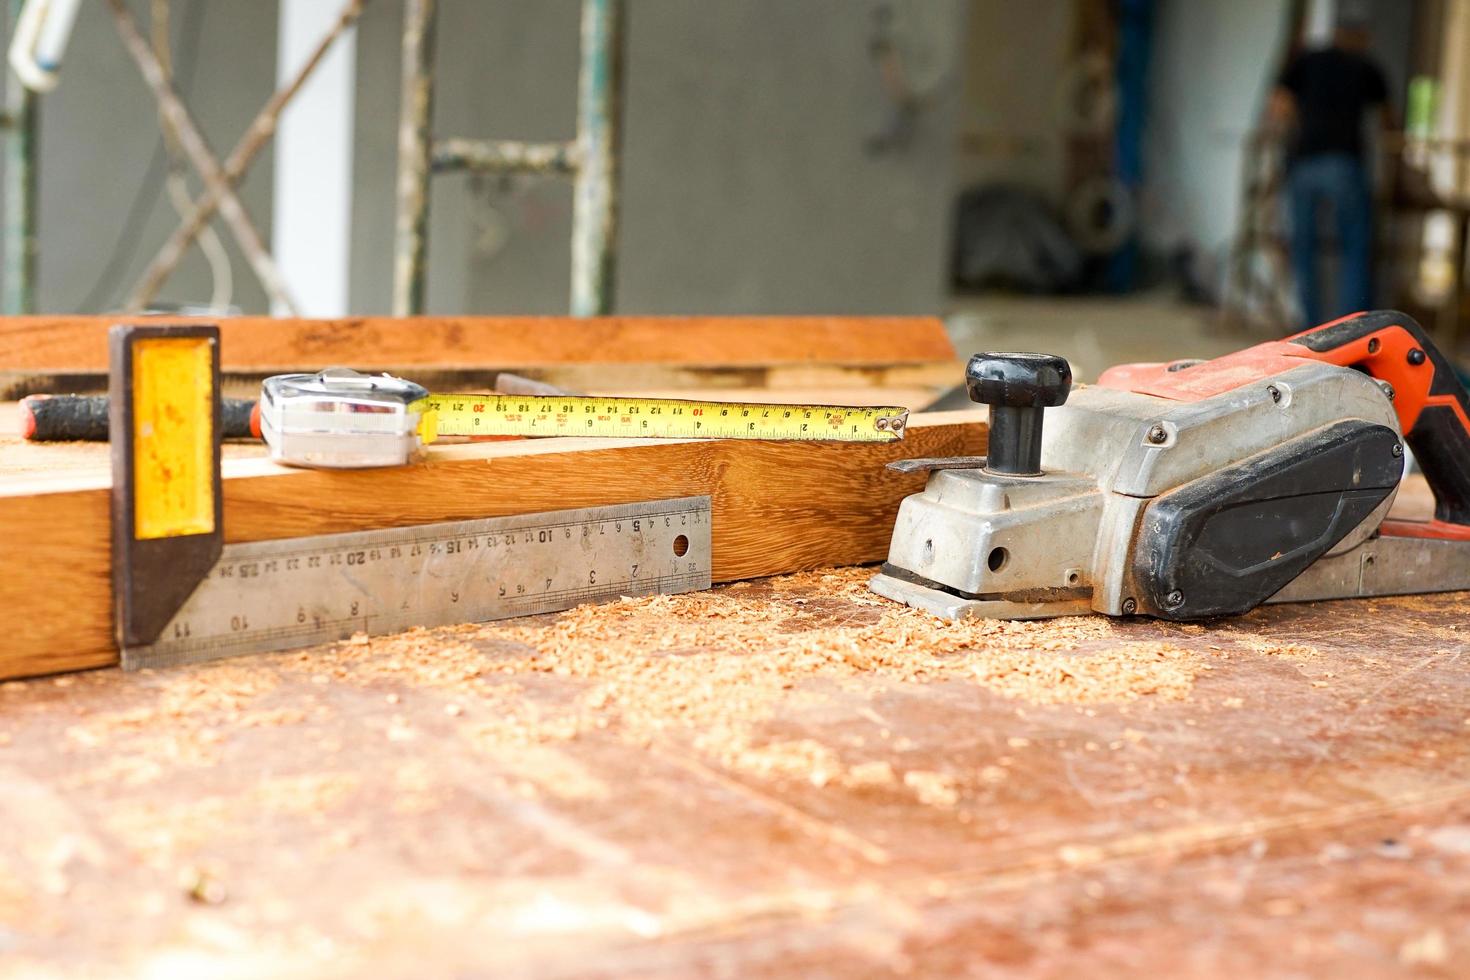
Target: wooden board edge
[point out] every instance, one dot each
(590, 378)
(61, 345)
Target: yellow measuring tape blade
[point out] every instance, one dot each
(664, 418)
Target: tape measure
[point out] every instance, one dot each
(664, 418)
(340, 418)
(280, 595)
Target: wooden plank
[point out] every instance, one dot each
(77, 344)
(778, 507)
(783, 382)
(614, 354)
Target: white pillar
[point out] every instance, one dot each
(312, 205)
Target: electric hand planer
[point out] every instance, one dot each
(1195, 488)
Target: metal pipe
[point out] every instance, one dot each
(595, 189)
(21, 247)
(259, 133)
(410, 241)
(504, 157)
(202, 157)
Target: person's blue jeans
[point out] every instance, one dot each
(1339, 181)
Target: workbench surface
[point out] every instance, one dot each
(782, 777)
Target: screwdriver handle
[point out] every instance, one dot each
(1432, 405)
(83, 418)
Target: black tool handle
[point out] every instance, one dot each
(1432, 405)
(83, 418)
(1018, 388)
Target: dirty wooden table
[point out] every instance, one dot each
(782, 777)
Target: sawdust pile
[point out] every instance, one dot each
(715, 666)
(711, 675)
(1268, 647)
(181, 724)
(721, 642)
(1439, 602)
(157, 832)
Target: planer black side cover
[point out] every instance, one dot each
(1223, 544)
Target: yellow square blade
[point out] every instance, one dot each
(173, 436)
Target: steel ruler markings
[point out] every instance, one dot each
(558, 415)
(279, 595)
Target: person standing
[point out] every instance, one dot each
(1322, 97)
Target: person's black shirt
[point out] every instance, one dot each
(1332, 89)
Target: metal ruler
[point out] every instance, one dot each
(669, 418)
(279, 595)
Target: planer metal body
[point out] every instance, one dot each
(1197, 488)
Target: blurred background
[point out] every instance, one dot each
(1109, 179)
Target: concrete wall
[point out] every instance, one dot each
(1213, 64)
(1012, 125)
(746, 186)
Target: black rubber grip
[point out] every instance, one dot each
(83, 418)
(1438, 437)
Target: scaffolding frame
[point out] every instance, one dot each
(590, 159)
(220, 180)
(18, 130)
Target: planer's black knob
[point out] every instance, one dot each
(1018, 388)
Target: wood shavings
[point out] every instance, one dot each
(527, 724)
(710, 670)
(399, 730)
(550, 770)
(1429, 602)
(222, 690)
(1273, 648)
(161, 834)
(1428, 949)
(993, 774)
(871, 774)
(932, 788)
(1122, 673)
(187, 721)
(715, 666)
(802, 759)
(130, 771)
(425, 657)
(270, 718)
(847, 584)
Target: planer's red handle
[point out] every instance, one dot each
(1432, 406)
